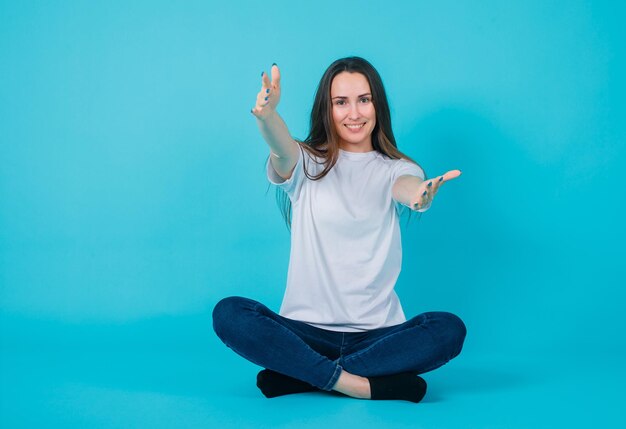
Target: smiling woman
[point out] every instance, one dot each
(341, 326)
(354, 115)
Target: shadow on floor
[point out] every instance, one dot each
(472, 379)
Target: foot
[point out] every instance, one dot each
(273, 384)
(407, 386)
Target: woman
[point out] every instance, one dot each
(341, 326)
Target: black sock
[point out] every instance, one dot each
(274, 384)
(407, 386)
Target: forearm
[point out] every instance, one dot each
(406, 191)
(277, 136)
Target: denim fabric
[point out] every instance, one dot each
(317, 356)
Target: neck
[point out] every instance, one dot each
(356, 147)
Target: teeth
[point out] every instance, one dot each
(354, 127)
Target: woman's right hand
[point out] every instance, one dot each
(269, 96)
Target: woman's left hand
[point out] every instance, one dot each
(429, 188)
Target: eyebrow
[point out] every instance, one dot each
(359, 96)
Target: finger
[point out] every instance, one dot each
(452, 174)
(432, 187)
(422, 199)
(421, 205)
(265, 81)
(416, 203)
(262, 98)
(258, 109)
(436, 183)
(275, 76)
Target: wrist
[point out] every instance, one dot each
(267, 115)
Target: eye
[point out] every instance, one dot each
(340, 102)
(365, 100)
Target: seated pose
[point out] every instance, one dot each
(341, 326)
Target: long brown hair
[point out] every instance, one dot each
(323, 141)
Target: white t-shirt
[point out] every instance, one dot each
(346, 250)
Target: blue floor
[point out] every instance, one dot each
(117, 377)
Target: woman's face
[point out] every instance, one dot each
(354, 116)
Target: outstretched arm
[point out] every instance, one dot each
(418, 194)
(283, 148)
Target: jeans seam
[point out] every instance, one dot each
(343, 338)
(377, 343)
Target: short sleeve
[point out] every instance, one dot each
(403, 167)
(292, 185)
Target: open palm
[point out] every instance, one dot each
(429, 188)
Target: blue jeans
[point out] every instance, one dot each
(317, 356)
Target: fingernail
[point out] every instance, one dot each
(424, 193)
(265, 98)
(267, 91)
(430, 184)
(262, 73)
(274, 64)
(441, 178)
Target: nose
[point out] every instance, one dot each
(354, 112)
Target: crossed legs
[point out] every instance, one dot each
(303, 352)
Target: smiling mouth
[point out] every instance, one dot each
(354, 126)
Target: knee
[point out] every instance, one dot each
(458, 331)
(228, 311)
(455, 332)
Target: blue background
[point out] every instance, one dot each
(133, 197)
